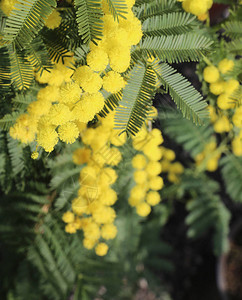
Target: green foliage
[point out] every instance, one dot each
(21, 71)
(187, 99)
(232, 176)
(89, 19)
(118, 8)
(154, 8)
(136, 100)
(206, 210)
(168, 24)
(8, 120)
(233, 29)
(192, 138)
(30, 16)
(176, 48)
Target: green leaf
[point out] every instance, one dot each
(89, 19)
(21, 70)
(233, 29)
(154, 8)
(186, 97)
(232, 176)
(26, 19)
(118, 8)
(176, 48)
(134, 106)
(167, 24)
(38, 56)
(192, 137)
(8, 120)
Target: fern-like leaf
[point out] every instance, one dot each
(134, 106)
(176, 48)
(8, 120)
(154, 8)
(193, 138)
(232, 175)
(167, 24)
(186, 97)
(235, 46)
(206, 212)
(89, 19)
(111, 102)
(26, 20)
(38, 55)
(233, 29)
(21, 70)
(118, 8)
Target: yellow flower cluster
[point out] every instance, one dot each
(65, 102)
(48, 112)
(173, 169)
(92, 210)
(147, 168)
(198, 8)
(226, 107)
(114, 48)
(219, 87)
(209, 157)
(7, 6)
(54, 20)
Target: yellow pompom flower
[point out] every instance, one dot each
(43, 77)
(217, 88)
(139, 161)
(212, 113)
(153, 168)
(237, 144)
(68, 132)
(92, 231)
(108, 197)
(212, 164)
(89, 243)
(78, 223)
(176, 168)
(153, 198)
(109, 231)
(107, 176)
(53, 20)
(68, 217)
(88, 106)
(57, 77)
(70, 228)
(88, 136)
(156, 183)
(81, 156)
(119, 59)
(35, 155)
(47, 138)
(113, 82)
(101, 249)
(222, 125)
(70, 93)
(225, 102)
(143, 209)
(90, 81)
(39, 108)
(237, 117)
(169, 154)
(198, 7)
(104, 215)
(59, 114)
(138, 192)
(79, 205)
(225, 65)
(24, 129)
(211, 74)
(48, 93)
(114, 157)
(230, 86)
(134, 201)
(97, 59)
(140, 177)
